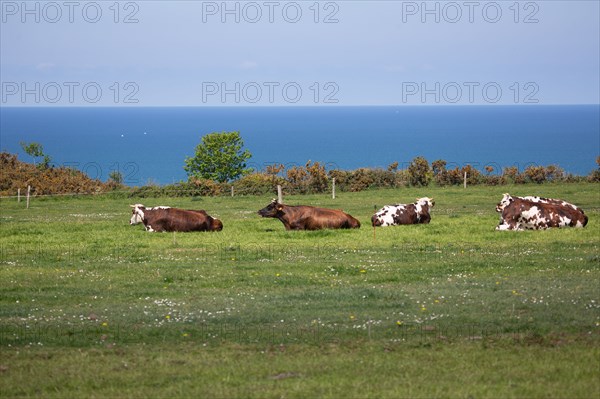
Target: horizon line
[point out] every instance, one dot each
(294, 106)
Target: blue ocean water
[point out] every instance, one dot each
(149, 144)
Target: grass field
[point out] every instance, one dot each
(93, 307)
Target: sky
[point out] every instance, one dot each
(290, 53)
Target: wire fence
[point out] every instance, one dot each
(160, 192)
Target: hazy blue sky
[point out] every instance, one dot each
(174, 53)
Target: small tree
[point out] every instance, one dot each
(219, 157)
(419, 172)
(115, 177)
(318, 177)
(440, 173)
(298, 178)
(36, 150)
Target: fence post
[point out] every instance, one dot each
(279, 194)
(375, 211)
(232, 190)
(19, 195)
(333, 188)
(465, 181)
(28, 195)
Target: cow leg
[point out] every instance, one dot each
(502, 226)
(157, 226)
(506, 226)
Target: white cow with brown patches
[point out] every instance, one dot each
(392, 215)
(538, 213)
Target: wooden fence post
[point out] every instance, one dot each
(28, 195)
(465, 181)
(333, 188)
(374, 210)
(232, 190)
(19, 195)
(279, 194)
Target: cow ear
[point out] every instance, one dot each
(279, 207)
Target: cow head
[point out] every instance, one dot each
(506, 201)
(137, 214)
(425, 201)
(216, 225)
(272, 210)
(376, 220)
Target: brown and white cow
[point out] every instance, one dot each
(175, 219)
(392, 215)
(303, 217)
(538, 213)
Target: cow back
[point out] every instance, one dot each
(181, 220)
(304, 217)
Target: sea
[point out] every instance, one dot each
(149, 145)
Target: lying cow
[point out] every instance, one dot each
(538, 213)
(174, 219)
(308, 217)
(391, 215)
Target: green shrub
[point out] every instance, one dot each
(419, 172)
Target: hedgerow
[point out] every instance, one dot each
(312, 177)
(16, 175)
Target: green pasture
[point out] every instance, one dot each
(93, 307)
